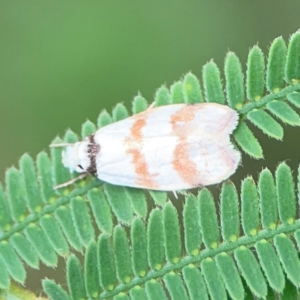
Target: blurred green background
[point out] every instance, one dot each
(62, 62)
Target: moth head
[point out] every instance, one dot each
(76, 157)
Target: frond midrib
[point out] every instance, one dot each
(224, 247)
(268, 98)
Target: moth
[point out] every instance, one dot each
(168, 148)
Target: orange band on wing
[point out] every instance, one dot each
(133, 143)
(136, 129)
(182, 163)
(185, 167)
(185, 114)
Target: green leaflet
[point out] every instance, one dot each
(5, 218)
(54, 291)
(175, 286)
(38, 239)
(294, 98)
(255, 74)
(292, 67)
(268, 200)
(251, 271)
(138, 293)
(275, 67)
(87, 128)
(213, 279)
(192, 232)
(119, 203)
(230, 276)
(234, 81)
(208, 219)
(271, 265)
(158, 197)
(31, 184)
(195, 283)
(91, 274)
(122, 296)
(155, 291)
(82, 222)
(284, 112)
(104, 119)
(156, 255)
(16, 194)
(106, 263)
(24, 250)
(4, 277)
(43, 163)
(12, 263)
(101, 210)
(59, 173)
(297, 237)
(139, 104)
(246, 140)
(139, 248)
(64, 216)
(229, 212)
(192, 89)
(162, 96)
(119, 112)
(54, 234)
(138, 201)
(289, 257)
(70, 136)
(266, 123)
(75, 278)
(172, 233)
(122, 255)
(285, 194)
(249, 207)
(212, 83)
(177, 93)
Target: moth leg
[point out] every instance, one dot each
(175, 194)
(81, 176)
(152, 105)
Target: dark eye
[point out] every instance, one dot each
(80, 167)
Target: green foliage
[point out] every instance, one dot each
(137, 244)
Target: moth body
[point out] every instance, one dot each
(173, 147)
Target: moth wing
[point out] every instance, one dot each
(143, 167)
(203, 119)
(198, 163)
(114, 165)
(193, 163)
(169, 148)
(154, 139)
(215, 159)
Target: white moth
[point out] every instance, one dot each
(169, 148)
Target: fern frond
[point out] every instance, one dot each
(217, 256)
(38, 223)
